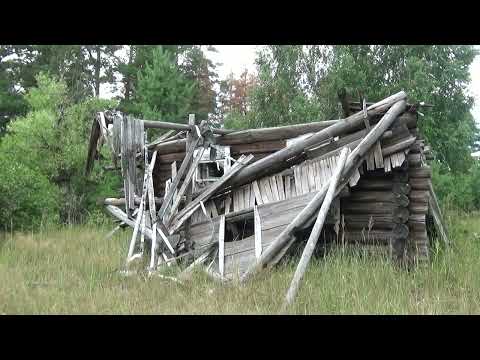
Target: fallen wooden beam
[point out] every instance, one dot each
(278, 160)
(317, 228)
(188, 210)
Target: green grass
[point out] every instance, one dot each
(75, 271)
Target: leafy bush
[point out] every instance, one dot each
(456, 189)
(27, 198)
(46, 149)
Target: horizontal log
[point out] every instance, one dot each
(153, 124)
(418, 207)
(173, 146)
(419, 183)
(376, 220)
(378, 196)
(258, 147)
(121, 201)
(401, 231)
(382, 184)
(402, 145)
(372, 208)
(275, 133)
(420, 196)
(414, 160)
(421, 172)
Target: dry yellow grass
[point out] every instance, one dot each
(74, 270)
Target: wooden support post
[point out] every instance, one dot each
(258, 232)
(317, 228)
(221, 246)
(183, 168)
(191, 124)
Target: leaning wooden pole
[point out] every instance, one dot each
(317, 229)
(308, 212)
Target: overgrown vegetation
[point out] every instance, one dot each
(74, 270)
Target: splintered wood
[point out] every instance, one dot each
(235, 202)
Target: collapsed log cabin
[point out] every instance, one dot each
(236, 202)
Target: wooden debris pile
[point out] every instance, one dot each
(235, 202)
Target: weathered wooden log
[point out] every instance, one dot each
(436, 213)
(378, 236)
(420, 172)
(277, 161)
(420, 196)
(419, 183)
(151, 124)
(92, 146)
(183, 168)
(418, 207)
(382, 185)
(414, 160)
(284, 239)
(258, 147)
(378, 196)
(317, 228)
(374, 221)
(168, 147)
(122, 202)
(402, 145)
(374, 208)
(275, 133)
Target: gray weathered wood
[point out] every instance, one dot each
(187, 211)
(278, 160)
(352, 162)
(317, 228)
(183, 168)
(221, 246)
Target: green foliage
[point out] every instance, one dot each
(50, 143)
(27, 198)
(163, 92)
(457, 190)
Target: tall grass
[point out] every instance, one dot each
(73, 270)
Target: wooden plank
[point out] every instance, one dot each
(378, 155)
(258, 195)
(280, 188)
(273, 185)
(252, 196)
(221, 245)
(317, 228)
(266, 190)
(228, 203)
(183, 168)
(258, 233)
(186, 184)
(187, 211)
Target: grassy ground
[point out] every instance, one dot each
(75, 271)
